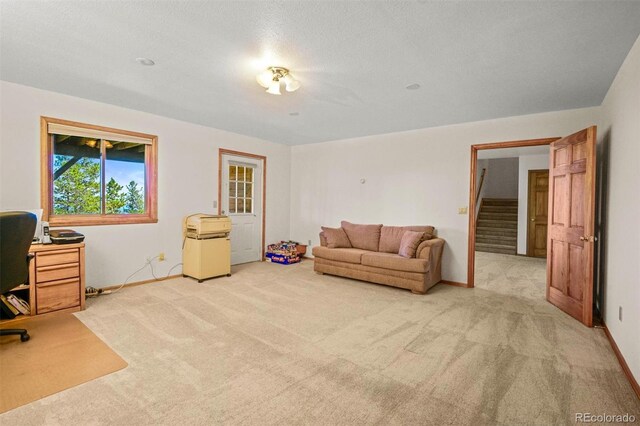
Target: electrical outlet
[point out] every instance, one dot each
(215, 204)
(620, 313)
(160, 257)
(309, 243)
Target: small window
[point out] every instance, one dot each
(240, 189)
(97, 175)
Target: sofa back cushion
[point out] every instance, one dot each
(336, 238)
(390, 236)
(365, 237)
(409, 243)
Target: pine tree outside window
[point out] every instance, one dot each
(97, 175)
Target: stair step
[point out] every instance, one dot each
(497, 224)
(496, 248)
(511, 217)
(500, 202)
(499, 209)
(485, 230)
(497, 239)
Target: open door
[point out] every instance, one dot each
(570, 237)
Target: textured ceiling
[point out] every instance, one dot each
(474, 60)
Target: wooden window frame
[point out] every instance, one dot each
(46, 183)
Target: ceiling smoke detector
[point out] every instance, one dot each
(145, 61)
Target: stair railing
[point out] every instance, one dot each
(484, 171)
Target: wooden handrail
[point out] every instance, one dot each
(484, 171)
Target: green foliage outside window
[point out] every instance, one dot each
(77, 190)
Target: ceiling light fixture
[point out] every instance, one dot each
(414, 86)
(270, 79)
(145, 61)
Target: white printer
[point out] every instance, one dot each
(206, 250)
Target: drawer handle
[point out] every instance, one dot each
(54, 267)
(58, 282)
(55, 252)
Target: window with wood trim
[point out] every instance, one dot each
(93, 175)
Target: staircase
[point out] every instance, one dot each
(497, 226)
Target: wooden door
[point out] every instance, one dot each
(538, 201)
(571, 224)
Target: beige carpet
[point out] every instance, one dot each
(280, 345)
(511, 275)
(61, 353)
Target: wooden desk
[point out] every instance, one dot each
(56, 279)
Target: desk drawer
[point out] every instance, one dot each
(57, 257)
(57, 272)
(56, 295)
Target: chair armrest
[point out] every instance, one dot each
(430, 249)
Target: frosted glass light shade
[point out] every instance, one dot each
(274, 88)
(292, 86)
(265, 78)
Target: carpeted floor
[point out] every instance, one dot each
(281, 345)
(512, 275)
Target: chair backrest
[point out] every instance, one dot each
(16, 235)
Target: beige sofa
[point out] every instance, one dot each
(383, 265)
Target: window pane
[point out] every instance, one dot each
(249, 189)
(76, 175)
(232, 205)
(240, 173)
(232, 189)
(232, 173)
(248, 205)
(124, 178)
(249, 175)
(240, 189)
(240, 205)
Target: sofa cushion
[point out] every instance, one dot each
(390, 236)
(347, 255)
(395, 262)
(409, 243)
(365, 237)
(336, 237)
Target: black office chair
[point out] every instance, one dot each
(16, 235)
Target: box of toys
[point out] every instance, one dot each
(283, 252)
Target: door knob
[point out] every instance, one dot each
(583, 238)
(533, 220)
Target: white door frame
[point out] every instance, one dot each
(223, 151)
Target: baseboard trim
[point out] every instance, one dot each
(623, 363)
(137, 283)
(454, 283)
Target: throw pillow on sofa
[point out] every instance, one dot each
(390, 236)
(365, 237)
(336, 237)
(409, 243)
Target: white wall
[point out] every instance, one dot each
(501, 180)
(620, 133)
(187, 177)
(526, 163)
(415, 177)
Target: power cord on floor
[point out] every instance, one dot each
(94, 292)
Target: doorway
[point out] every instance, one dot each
(571, 219)
(504, 221)
(241, 196)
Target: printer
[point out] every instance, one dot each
(206, 251)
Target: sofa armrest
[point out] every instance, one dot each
(431, 250)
